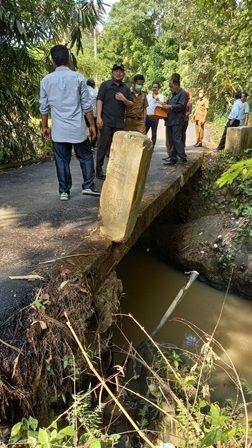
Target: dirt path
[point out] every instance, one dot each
(36, 226)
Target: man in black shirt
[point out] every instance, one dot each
(176, 108)
(113, 97)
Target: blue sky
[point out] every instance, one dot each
(107, 8)
(109, 3)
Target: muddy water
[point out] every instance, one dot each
(150, 286)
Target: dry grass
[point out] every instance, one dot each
(36, 373)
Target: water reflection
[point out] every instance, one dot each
(150, 286)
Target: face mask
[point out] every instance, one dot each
(138, 88)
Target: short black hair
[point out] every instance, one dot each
(90, 82)
(176, 75)
(175, 78)
(139, 77)
(245, 94)
(155, 82)
(60, 55)
(238, 95)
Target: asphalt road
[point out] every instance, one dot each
(36, 226)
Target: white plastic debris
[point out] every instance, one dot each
(166, 445)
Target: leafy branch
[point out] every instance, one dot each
(243, 168)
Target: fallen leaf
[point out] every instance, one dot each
(41, 323)
(63, 284)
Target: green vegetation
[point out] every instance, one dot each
(237, 179)
(81, 425)
(177, 407)
(194, 38)
(242, 169)
(27, 30)
(208, 42)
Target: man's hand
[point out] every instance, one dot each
(120, 97)
(47, 133)
(92, 132)
(99, 122)
(167, 107)
(202, 122)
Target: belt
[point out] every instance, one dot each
(135, 118)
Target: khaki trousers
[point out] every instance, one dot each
(199, 128)
(134, 125)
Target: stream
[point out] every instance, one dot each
(150, 286)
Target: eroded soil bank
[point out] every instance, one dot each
(208, 229)
(46, 365)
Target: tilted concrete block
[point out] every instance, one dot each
(123, 188)
(238, 139)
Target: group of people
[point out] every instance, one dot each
(121, 108)
(76, 107)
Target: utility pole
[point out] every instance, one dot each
(95, 52)
(95, 42)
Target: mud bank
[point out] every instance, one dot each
(202, 230)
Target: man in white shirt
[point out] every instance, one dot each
(245, 118)
(154, 99)
(64, 94)
(234, 118)
(93, 95)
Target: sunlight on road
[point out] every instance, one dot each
(9, 217)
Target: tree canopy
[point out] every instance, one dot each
(27, 29)
(207, 41)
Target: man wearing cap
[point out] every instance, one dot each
(112, 99)
(136, 114)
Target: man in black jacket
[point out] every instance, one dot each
(176, 108)
(112, 99)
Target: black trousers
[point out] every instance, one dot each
(184, 129)
(152, 123)
(177, 147)
(235, 124)
(105, 140)
(93, 142)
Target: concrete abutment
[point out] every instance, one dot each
(238, 139)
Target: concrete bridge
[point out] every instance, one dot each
(36, 228)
